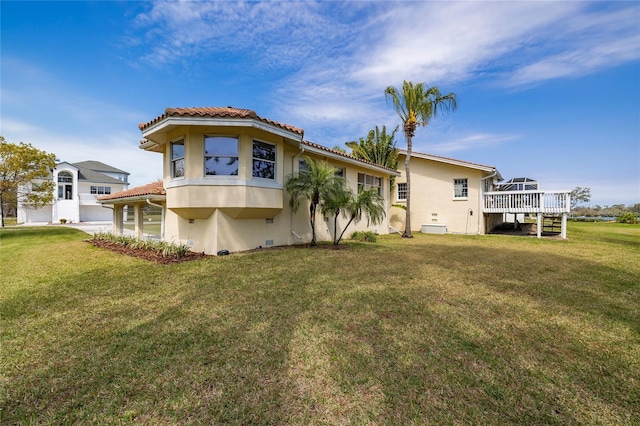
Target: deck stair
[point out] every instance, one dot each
(551, 225)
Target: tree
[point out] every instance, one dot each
(341, 200)
(315, 183)
(378, 148)
(578, 195)
(416, 105)
(24, 171)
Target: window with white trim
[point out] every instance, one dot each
(220, 156)
(177, 159)
(100, 190)
(264, 160)
(366, 182)
(460, 188)
(65, 186)
(402, 191)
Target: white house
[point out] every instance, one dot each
(78, 187)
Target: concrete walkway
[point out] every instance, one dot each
(89, 227)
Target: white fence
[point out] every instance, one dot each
(550, 202)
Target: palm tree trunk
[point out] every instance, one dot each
(345, 228)
(312, 221)
(407, 222)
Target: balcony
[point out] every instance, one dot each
(545, 202)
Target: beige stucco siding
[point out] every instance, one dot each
(241, 212)
(432, 197)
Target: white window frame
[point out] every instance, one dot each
(274, 162)
(205, 156)
(461, 189)
(366, 182)
(65, 185)
(401, 191)
(175, 160)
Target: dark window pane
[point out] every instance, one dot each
(264, 151)
(220, 146)
(264, 169)
(177, 150)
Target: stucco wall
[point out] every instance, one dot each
(239, 213)
(432, 197)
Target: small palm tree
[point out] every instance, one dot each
(416, 105)
(343, 201)
(313, 184)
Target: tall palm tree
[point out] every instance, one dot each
(314, 184)
(416, 105)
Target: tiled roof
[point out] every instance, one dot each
(342, 154)
(218, 112)
(446, 159)
(155, 188)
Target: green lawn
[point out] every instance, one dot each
(440, 329)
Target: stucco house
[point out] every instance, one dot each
(455, 196)
(446, 194)
(78, 187)
(224, 171)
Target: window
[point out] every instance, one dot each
(366, 182)
(177, 159)
(402, 191)
(220, 156)
(65, 186)
(264, 160)
(303, 167)
(460, 188)
(101, 190)
(340, 172)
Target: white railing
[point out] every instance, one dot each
(550, 202)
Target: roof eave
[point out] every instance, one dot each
(134, 199)
(166, 122)
(350, 160)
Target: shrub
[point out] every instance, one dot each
(365, 236)
(162, 247)
(63, 220)
(628, 217)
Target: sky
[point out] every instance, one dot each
(545, 90)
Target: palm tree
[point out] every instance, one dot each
(313, 184)
(416, 105)
(378, 148)
(367, 202)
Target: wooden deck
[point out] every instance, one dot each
(545, 202)
(542, 203)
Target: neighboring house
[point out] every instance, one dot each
(78, 187)
(224, 171)
(446, 194)
(455, 196)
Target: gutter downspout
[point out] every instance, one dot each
(293, 162)
(481, 198)
(161, 217)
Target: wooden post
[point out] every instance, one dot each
(539, 225)
(563, 230)
(137, 218)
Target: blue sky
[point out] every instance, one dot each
(546, 90)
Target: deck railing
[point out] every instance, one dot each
(550, 202)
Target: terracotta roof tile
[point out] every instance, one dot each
(155, 188)
(218, 112)
(343, 154)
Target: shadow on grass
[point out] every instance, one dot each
(438, 331)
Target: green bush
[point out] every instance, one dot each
(628, 217)
(162, 247)
(365, 236)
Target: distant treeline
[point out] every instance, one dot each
(615, 210)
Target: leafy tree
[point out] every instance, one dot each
(378, 148)
(416, 105)
(315, 183)
(341, 200)
(24, 170)
(579, 195)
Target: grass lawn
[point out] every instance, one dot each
(440, 329)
